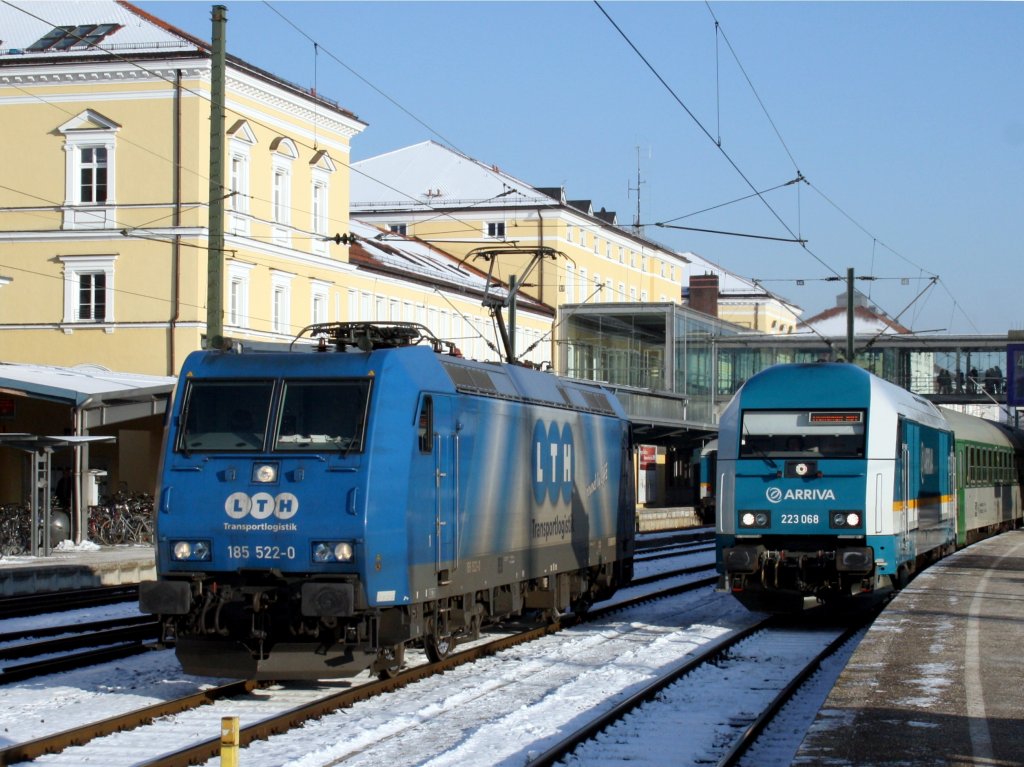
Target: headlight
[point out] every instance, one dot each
(757, 519)
(264, 473)
(333, 551)
(845, 519)
(343, 551)
(191, 551)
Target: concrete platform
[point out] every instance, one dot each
(87, 566)
(939, 677)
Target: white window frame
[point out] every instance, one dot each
(238, 293)
(321, 168)
(74, 268)
(88, 130)
(284, 156)
(319, 302)
(494, 230)
(281, 302)
(240, 145)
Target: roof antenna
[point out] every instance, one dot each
(637, 228)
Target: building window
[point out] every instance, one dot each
(321, 167)
(241, 141)
(398, 229)
(89, 171)
(319, 207)
(282, 189)
(496, 229)
(284, 154)
(72, 38)
(92, 172)
(239, 199)
(280, 302)
(92, 297)
(238, 294)
(88, 289)
(235, 291)
(318, 301)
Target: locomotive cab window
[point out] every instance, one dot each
(802, 434)
(425, 425)
(227, 416)
(323, 415)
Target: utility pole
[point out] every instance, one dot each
(849, 314)
(215, 239)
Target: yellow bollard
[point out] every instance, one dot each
(229, 741)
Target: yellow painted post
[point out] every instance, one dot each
(229, 741)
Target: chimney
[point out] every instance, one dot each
(704, 293)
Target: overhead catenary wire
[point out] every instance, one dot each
(719, 31)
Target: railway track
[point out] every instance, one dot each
(277, 710)
(34, 604)
(62, 648)
(733, 676)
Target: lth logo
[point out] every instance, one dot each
(261, 505)
(553, 462)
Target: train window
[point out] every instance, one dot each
(321, 416)
(793, 434)
(425, 425)
(225, 416)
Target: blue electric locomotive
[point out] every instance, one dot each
(836, 486)
(321, 510)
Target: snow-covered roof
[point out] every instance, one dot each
(81, 385)
(433, 176)
(137, 32)
(419, 261)
(53, 32)
(866, 321)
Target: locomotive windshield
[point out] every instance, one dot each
(319, 415)
(235, 416)
(225, 415)
(802, 434)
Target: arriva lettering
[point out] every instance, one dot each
(775, 495)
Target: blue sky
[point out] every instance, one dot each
(905, 119)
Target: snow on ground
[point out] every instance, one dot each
(499, 711)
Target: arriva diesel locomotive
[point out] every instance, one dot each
(835, 486)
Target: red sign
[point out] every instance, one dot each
(648, 456)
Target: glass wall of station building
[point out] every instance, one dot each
(666, 347)
(661, 347)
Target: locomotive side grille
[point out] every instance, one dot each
(471, 378)
(598, 401)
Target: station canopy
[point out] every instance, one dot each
(105, 397)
